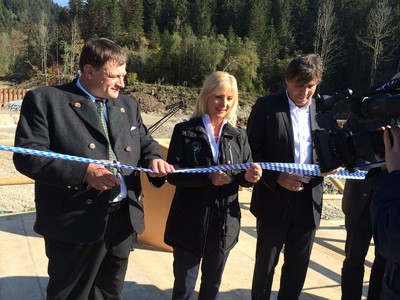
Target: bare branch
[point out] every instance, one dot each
(378, 38)
(328, 42)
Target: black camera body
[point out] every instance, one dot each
(340, 147)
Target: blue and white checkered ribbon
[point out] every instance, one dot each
(301, 169)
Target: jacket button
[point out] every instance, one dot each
(128, 149)
(89, 201)
(122, 109)
(77, 105)
(69, 187)
(92, 146)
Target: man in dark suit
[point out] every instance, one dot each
(86, 212)
(356, 205)
(287, 206)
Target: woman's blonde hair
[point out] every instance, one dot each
(217, 83)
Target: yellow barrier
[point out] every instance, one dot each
(157, 202)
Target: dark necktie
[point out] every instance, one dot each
(114, 192)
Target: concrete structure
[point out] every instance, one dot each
(23, 263)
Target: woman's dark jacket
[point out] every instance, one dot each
(195, 196)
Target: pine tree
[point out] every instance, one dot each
(132, 18)
(201, 15)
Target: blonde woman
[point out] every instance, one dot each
(204, 220)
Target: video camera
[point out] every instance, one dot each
(340, 147)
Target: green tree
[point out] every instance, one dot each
(132, 18)
(304, 14)
(152, 10)
(5, 54)
(283, 24)
(175, 14)
(268, 77)
(201, 15)
(7, 18)
(241, 60)
(208, 54)
(230, 13)
(258, 20)
(76, 9)
(97, 15)
(154, 35)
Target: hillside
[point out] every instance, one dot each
(155, 98)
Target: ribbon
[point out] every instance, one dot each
(300, 169)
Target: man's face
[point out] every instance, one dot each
(301, 93)
(107, 81)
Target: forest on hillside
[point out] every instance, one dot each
(180, 42)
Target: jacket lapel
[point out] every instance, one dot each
(84, 108)
(287, 120)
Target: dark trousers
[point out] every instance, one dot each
(358, 239)
(91, 271)
(391, 282)
(186, 268)
(296, 232)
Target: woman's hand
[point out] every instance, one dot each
(253, 174)
(220, 178)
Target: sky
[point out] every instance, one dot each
(61, 2)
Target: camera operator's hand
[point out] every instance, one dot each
(392, 151)
(292, 182)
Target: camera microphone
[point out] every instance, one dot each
(326, 104)
(180, 104)
(389, 86)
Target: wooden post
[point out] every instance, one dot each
(3, 98)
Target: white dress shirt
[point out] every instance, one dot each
(301, 132)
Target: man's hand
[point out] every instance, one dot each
(100, 178)
(160, 167)
(392, 151)
(292, 182)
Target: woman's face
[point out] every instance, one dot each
(219, 104)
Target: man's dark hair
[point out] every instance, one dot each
(97, 52)
(305, 68)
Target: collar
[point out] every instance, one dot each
(79, 85)
(207, 125)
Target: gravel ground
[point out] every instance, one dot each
(19, 198)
